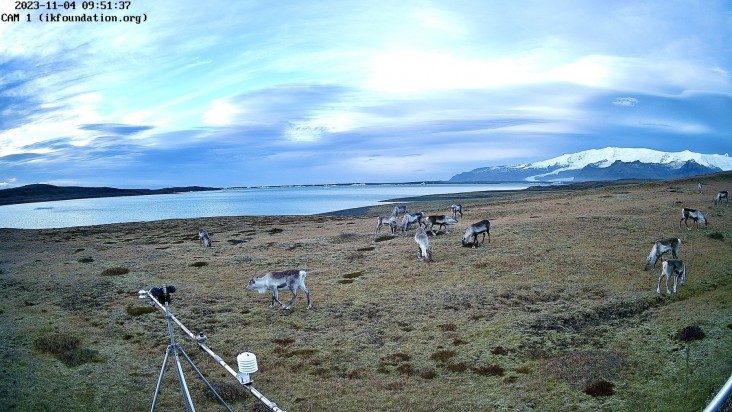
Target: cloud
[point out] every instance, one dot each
(625, 101)
(115, 128)
(323, 91)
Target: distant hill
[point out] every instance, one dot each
(46, 193)
(610, 163)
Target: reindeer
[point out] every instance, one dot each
(693, 214)
(484, 226)
(409, 218)
(399, 210)
(721, 195)
(457, 209)
(425, 251)
(204, 238)
(700, 187)
(292, 279)
(386, 220)
(672, 268)
(441, 220)
(660, 248)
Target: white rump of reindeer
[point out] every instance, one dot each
(425, 251)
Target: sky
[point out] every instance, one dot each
(248, 93)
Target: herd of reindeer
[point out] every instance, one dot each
(294, 279)
(674, 267)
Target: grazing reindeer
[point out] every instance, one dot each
(699, 187)
(425, 251)
(409, 218)
(672, 268)
(484, 226)
(292, 279)
(721, 195)
(204, 238)
(457, 209)
(386, 220)
(693, 214)
(399, 210)
(441, 220)
(660, 248)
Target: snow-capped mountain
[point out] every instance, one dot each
(610, 163)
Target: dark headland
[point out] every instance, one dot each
(47, 193)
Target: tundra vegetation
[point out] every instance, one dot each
(556, 313)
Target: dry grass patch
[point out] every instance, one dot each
(67, 348)
(115, 271)
(583, 368)
(140, 310)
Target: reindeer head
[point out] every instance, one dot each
(651, 259)
(252, 285)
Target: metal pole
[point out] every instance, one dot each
(721, 397)
(160, 380)
(262, 399)
(182, 382)
(203, 378)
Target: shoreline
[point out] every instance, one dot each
(484, 195)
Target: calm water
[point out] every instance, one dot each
(228, 202)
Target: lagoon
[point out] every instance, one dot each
(281, 200)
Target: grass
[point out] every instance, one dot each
(67, 348)
(537, 319)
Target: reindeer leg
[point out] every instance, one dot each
(276, 297)
(294, 295)
(658, 289)
(307, 295)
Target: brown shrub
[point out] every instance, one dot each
(690, 333)
(447, 327)
(499, 350)
(115, 271)
(490, 370)
(66, 348)
(395, 358)
(456, 367)
(406, 369)
(428, 374)
(442, 355)
(283, 341)
(140, 310)
(581, 368)
(600, 388)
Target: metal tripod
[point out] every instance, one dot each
(174, 348)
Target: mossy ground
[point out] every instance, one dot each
(555, 314)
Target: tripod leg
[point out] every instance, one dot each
(182, 381)
(200, 375)
(160, 379)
